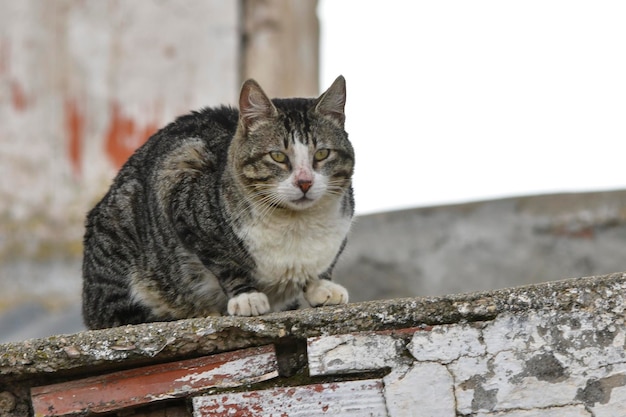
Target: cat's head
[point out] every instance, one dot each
(292, 153)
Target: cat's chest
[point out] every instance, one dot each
(295, 248)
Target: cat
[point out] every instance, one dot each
(225, 211)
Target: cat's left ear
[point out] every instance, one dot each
(333, 101)
(254, 105)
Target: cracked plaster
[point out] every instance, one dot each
(550, 349)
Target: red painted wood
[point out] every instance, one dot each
(349, 398)
(153, 383)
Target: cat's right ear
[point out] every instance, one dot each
(331, 104)
(254, 105)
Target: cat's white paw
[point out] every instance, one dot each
(249, 304)
(323, 292)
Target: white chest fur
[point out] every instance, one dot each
(291, 249)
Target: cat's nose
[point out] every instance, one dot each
(304, 185)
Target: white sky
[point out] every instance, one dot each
(452, 101)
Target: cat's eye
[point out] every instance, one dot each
(321, 154)
(278, 156)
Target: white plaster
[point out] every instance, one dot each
(615, 407)
(513, 332)
(518, 391)
(585, 346)
(467, 372)
(446, 343)
(351, 353)
(425, 390)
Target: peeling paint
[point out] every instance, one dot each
(75, 127)
(18, 96)
(351, 398)
(599, 390)
(352, 353)
(545, 367)
(125, 135)
(134, 387)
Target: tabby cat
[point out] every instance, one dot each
(225, 212)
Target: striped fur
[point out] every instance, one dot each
(224, 212)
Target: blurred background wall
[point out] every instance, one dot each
(84, 83)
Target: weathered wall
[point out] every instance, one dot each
(485, 245)
(547, 350)
(84, 83)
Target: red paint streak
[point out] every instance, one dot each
(75, 128)
(124, 135)
(18, 96)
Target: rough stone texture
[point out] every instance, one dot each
(551, 349)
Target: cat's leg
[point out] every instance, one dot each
(321, 292)
(243, 297)
(249, 304)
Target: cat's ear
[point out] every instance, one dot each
(254, 105)
(333, 101)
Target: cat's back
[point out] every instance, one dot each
(211, 128)
(214, 127)
(208, 131)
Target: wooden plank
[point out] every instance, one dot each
(153, 383)
(350, 398)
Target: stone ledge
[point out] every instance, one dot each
(123, 347)
(545, 349)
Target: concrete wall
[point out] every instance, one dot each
(485, 245)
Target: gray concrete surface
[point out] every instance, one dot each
(484, 245)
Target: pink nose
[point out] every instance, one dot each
(305, 185)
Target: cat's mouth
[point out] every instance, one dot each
(302, 202)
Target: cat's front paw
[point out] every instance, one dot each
(324, 292)
(249, 304)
